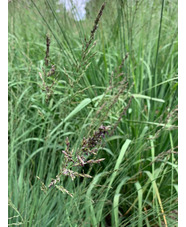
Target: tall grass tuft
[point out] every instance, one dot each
(93, 114)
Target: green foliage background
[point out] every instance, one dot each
(136, 184)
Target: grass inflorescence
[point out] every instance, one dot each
(93, 114)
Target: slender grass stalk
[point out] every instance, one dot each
(158, 44)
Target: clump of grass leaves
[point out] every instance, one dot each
(93, 114)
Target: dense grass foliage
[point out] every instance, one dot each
(122, 74)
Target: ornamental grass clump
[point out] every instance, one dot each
(122, 75)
